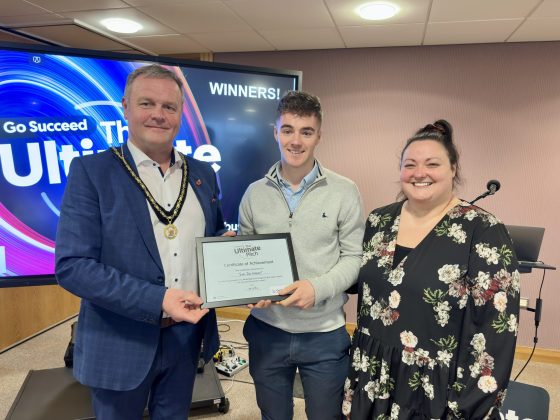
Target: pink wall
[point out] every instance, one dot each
(504, 103)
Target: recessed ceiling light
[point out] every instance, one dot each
(122, 26)
(377, 11)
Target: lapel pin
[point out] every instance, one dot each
(198, 182)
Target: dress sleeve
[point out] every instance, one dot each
(487, 342)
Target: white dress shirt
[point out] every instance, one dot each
(178, 255)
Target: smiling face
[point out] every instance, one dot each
(297, 137)
(153, 112)
(426, 173)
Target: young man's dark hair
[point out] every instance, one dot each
(300, 103)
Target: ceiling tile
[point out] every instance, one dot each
(94, 18)
(304, 39)
(537, 30)
(207, 16)
(547, 9)
(233, 41)
(481, 31)
(411, 11)
(27, 19)
(168, 44)
(74, 36)
(19, 7)
(382, 35)
(461, 10)
(161, 2)
(9, 37)
(285, 14)
(75, 5)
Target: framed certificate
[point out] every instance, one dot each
(244, 269)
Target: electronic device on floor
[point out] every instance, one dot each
(231, 365)
(227, 362)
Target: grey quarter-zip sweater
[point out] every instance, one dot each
(327, 229)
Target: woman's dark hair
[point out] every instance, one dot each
(442, 132)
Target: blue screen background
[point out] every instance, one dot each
(37, 89)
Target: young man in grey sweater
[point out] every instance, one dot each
(323, 213)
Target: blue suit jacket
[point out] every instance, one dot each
(106, 253)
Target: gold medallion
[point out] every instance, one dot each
(170, 231)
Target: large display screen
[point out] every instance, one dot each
(58, 104)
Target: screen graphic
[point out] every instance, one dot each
(55, 106)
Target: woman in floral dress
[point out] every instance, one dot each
(438, 298)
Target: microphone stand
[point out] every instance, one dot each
(484, 194)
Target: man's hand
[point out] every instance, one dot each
(230, 233)
(183, 306)
(261, 304)
(302, 295)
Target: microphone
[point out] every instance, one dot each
(491, 186)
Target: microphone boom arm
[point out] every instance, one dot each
(484, 194)
(492, 186)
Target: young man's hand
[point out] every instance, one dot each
(261, 304)
(302, 295)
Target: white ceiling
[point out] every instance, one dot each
(172, 27)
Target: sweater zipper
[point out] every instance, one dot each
(286, 202)
(291, 216)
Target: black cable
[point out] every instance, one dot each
(235, 344)
(537, 311)
(535, 339)
(237, 380)
(228, 328)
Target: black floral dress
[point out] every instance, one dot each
(436, 332)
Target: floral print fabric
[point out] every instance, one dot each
(436, 333)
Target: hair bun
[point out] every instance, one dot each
(445, 129)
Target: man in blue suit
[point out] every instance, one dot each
(126, 245)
